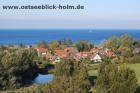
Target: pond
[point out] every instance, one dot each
(42, 79)
(43, 76)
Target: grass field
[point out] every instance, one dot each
(135, 67)
(92, 72)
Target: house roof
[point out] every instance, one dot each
(61, 53)
(136, 50)
(95, 57)
(82, 54)
(71, 50)
(110, 54)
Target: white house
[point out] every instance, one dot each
(42, 51)
(96, 58)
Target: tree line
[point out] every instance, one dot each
(17, 66)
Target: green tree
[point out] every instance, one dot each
(54, 45)
(125, 51)
(2, 48)
(134, 59)
(126, 41)
(84, 46)
(122, 46)
(112, 43)
(66, 42)
(69, 42)
(70, 77)
(21, 45)
(113, 79)
(16, 67)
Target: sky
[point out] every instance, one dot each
(98, 14)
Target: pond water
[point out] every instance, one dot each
(42, 79)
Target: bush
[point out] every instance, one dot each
(113, 79)
(134, 59)
(15, 67)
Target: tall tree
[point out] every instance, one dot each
(113, 79)
(126, 41)
(16, 67)
(84, 46)
(54, 45)
(112, 43)
(70, 77)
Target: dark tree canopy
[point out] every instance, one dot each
(70, 77)
(84, 46)
(17, 66)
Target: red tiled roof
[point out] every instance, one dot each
(61, 53)
(71, 50)
(110, 54)
(82, 55)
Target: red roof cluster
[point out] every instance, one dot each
(94, 54)
(61, 53)
(110, 54)
(71, 50)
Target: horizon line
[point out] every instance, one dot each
(69, 28)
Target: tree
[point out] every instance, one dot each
(87, 61)
(84, 46)
(15, 67)
(70, 77)
(54, 45)
(113, 79)
(112, 43)
(69, 42)
(122, 46)
(2, 48)
(135, 59)
(21, 45)
(32, 54)
(66, 42)
(42, 44)
(126, 41)
(125, 51)
(136, 44)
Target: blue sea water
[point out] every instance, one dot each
(33, 37)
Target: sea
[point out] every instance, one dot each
(34, 36)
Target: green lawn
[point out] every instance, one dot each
(92, 72)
